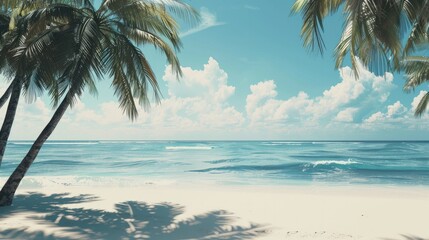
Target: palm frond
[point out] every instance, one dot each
(178, 8)
(87, 60)
(131, 74)
(145, 37)
(313, 12)
(4, 24)
(417, 71)
(120, 82)
(151, 18)
(417, 12)
(371, 34)
(10, 4)
(421, 107)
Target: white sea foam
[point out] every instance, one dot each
(272, 144)
(53, 181)
(122, 142)
(189, 147)
(282, 143)
(329, 162)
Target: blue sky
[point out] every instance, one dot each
(246, 76)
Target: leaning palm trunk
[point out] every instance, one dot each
(6, 95)
(10, 116)
(8, 191)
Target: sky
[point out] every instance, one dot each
(246, 76)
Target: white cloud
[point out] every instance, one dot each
(199, 99)
(340, 102)
(398, 116)
(376, 117)
(396, 109)
(198, 106)
(208, 20)
(211, 80)
(395, 115)
(346, 115)
(259, 92)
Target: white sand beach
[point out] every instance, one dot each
(191, 211)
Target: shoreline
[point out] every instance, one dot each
(225, 211)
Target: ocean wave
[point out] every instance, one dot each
(61, 162)
(280, 143)
(57, 143)
(330, 162)
(189, 147)
(293, 167)
(122, 142)
(239, 168)
(228, 160)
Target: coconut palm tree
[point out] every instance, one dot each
(106, 41)
(12, 38)
(6, 95)
(30, 75)
(4, 27)
(20, 68)
(381, 33)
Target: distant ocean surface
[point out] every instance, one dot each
(231, 162)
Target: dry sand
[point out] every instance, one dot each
(204, 211)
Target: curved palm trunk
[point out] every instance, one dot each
(6, 95)
(8, 191)
(10, 115)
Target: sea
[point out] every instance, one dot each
(226, 162)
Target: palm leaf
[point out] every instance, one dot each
(421, 107)
(417, 71)
(417, 12)
(144, 37)
(313, 12)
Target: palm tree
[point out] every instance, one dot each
(106, 44)
(25, 71)
(12, 37)
(6, 95)
(4, 27)
(381, 33)
(36, 78)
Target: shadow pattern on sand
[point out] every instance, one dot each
(408, 237)
(130, 220)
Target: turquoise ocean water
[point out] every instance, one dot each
(232, 162)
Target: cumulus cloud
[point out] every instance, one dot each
(198, 106)
(346, 115)
(259, 92)
(199, 99)
(394, 112)
(339, 103)
(397, 114)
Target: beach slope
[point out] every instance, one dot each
(174, 211)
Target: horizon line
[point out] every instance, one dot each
(229, 140)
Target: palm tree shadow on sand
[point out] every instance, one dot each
(407, 237)
(130, 220)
